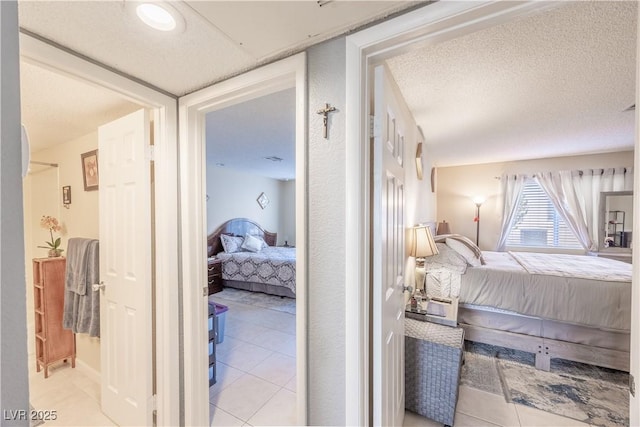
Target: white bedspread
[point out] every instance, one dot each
(584, 267)
(603, 301)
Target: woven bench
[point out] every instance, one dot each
(433, 357)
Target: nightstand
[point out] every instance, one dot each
(438, 310)
(214, 275)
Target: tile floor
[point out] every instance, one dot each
(257, 384)
(256, 374)
(74, 396)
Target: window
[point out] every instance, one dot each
(537, 223)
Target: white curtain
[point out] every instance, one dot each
(569, 203)
(511, 187)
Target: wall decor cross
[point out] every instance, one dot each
(325, 119)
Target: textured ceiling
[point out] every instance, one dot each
(552, 84)
(241, 136)
(57, 109)
(221, 38)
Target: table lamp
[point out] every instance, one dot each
(421, 244)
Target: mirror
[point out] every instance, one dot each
(616, 221)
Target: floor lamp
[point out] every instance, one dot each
(478, 201)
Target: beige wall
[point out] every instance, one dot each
(234, 194)
(456, 186)
(43, 196)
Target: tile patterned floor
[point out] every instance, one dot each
(257, 384)
(256, 376)
(70, 392)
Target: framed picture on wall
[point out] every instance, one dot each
(263, 201)
(66, 195)
(90, 170)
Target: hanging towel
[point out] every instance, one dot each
(81, 303)
(76, 273)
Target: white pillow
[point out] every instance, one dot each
(252, 243)
(230, 244)
(463, 250)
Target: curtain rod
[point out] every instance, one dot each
(602, 171)
(53, 165)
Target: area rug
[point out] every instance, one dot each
(590, 394)
(258, 299)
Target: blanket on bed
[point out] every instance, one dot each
(584, 267)
(272, 266)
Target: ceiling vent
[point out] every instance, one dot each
(273, 158)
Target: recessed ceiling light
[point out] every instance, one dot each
(159, 16)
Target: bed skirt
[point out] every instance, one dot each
(280, 291)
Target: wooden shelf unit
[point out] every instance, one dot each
(53, 342)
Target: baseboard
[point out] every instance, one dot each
(92, 373)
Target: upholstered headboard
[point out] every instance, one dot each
(238, 227)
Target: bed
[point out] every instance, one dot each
(556, 306)
(267, 268)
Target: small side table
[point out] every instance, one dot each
(433, 358)
(436, 311)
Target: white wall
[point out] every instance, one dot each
(43, 187)
(234, 194)
(14, 386)
(326, 242)
(456, 186)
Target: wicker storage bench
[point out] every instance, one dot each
(433, 357)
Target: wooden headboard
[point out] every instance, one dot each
(237, 227)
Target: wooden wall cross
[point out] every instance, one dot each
(325, 119)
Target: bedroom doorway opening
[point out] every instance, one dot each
(251, 245)
(246, 155)
(387, 42)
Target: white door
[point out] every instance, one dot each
(388, 255)
(125, 270)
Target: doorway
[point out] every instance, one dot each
(163, 111)
(429, 25)
(277, 77)
(250, 150)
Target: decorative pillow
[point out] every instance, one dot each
(465, 251)
(465, 240)
(447, 258)
(252, 243)
(231, 244)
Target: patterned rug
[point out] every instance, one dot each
(272, 302)
(590, 394)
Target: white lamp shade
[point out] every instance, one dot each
(421, 243)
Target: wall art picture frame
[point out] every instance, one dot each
(90, 170)
(263, 200)
(66, 195)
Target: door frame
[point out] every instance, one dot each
(164, 114)
(428, 25)
(289, 72)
